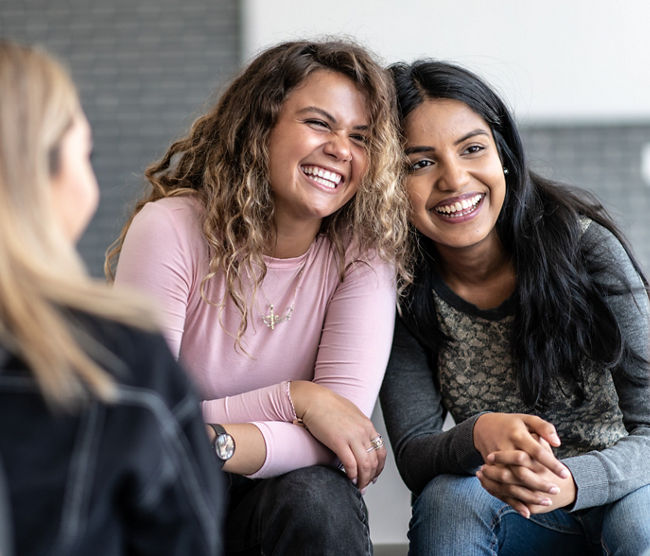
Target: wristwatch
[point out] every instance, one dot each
(223, 443)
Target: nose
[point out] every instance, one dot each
(453, 176)
(339, 147)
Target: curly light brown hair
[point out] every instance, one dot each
(224, 161)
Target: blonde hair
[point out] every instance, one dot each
(44, 288)
(223, 160)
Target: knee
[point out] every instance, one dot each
(322, 503)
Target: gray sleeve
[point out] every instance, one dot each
(414, 415)
(605, 476)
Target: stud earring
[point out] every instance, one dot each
(505, 171)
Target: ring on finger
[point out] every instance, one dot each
(375, 443)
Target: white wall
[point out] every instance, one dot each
(552, 59)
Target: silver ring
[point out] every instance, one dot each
(375, 443)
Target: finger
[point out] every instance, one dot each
(366, 466)
(381, 461)
(540, 454)
(543, 428)
(511, 457)
(522, 476)
(508, 490)
(519, 507)
(517, 458)
(349, 462)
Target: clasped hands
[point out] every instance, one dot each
(520, 467)
(339, 424)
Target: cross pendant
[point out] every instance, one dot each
(271, 319)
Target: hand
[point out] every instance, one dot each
(529, 487)
(506, 432)
(342, 427)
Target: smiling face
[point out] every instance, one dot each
(317, 153)
(75, 191)
(456, 185)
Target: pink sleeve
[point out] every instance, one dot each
(156, 259)
(352, 358)
(271, 403)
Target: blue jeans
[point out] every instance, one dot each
(456, 516)
(307, 512)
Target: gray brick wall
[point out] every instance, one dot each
(145, 69)
(605, 159)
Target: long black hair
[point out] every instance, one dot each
(561, 315)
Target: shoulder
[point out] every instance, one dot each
(169, 229)
(607, 259)
(181, 213)
(600, 244)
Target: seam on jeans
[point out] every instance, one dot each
(496, 522)
(558, 528)
(363, 517)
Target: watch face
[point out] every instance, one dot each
(224, 446)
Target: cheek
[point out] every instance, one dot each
(84, 199)
(416, 193)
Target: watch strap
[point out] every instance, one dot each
(217, 428)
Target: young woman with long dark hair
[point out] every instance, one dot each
(527, 321)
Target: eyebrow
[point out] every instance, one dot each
(424, 149)
(329, 116)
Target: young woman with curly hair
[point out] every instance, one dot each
(273, 238)
(527, 321)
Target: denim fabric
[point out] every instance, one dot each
(455, 516)
(136, 476)
(313, 511)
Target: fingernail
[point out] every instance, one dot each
(354, 481)
(553, 490)
(363, 491)
(546, 502)
(564, 473)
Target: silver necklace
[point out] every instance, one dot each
(271, 318)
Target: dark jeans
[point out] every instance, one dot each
(310, 511)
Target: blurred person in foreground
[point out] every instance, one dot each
(101, 437)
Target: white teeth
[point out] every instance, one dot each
(333, 179)
(458, 206)
(324, 182)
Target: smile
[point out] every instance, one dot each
(323, 177)
(459, 208)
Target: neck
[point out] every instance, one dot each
(292, 241)
(483, 275)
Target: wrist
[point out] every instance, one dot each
(477, 432)
(299, 392)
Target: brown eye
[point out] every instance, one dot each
(418, 165)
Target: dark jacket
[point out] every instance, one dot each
(134, 477)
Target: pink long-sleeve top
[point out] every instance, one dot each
(339, 334)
